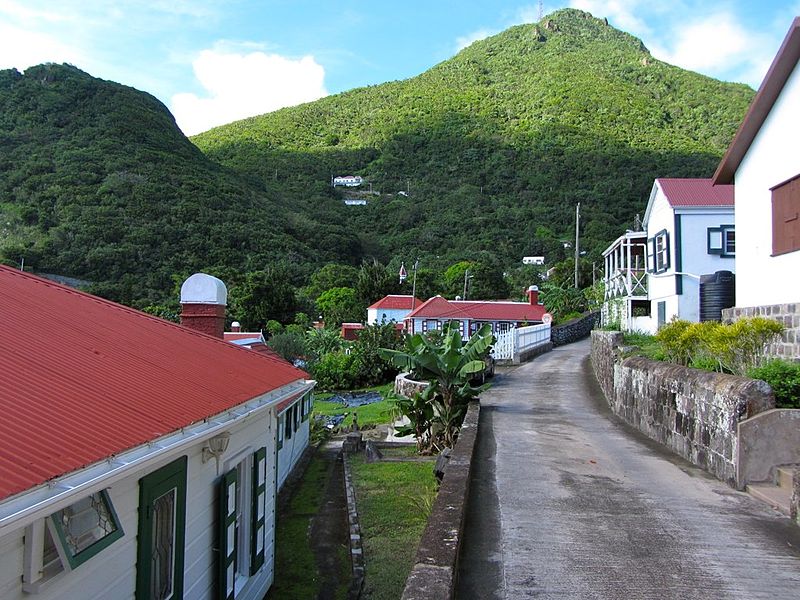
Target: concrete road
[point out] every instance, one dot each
(568, 502)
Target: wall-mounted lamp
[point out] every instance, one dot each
(216, 447)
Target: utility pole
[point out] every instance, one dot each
(541, 10)
(577, 240)
(414, 285)
(467, 277)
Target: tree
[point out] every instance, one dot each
(448, 367)
(330, 276)
(374, 281)
(340, 305)
(262, 296)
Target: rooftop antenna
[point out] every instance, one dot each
(541, 10)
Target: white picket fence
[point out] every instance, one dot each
(512, 343)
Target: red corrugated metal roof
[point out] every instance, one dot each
(695, 192)
(438, 307)
(82, 379)
(393, 302)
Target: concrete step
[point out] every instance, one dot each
(778, 498)
(785, 477)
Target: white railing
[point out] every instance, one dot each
(628, 282)
(512, 343)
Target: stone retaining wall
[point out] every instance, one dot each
(786, 314)
(695, 413)
(574, 330)
(403, 386)
(436, 562)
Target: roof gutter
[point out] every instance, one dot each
(21, 510)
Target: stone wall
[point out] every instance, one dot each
(574, 330)
(695, 413)
(436, 562)
(403, 386)
(787, 314)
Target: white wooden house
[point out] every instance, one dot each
(391, 308)
(654, 275)
(764, 164)
(138, 456)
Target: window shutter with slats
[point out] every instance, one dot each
(259, 510)
(227, 535)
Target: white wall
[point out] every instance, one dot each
(376, 315)
(662, 286)
(112, 573)
(293, 448)
(762, 279)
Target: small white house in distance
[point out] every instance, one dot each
(533, 260)
(138, 456)
(355, 201)
(764, 163)
(391, 308)
(348, 181)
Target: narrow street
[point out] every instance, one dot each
(566, 501)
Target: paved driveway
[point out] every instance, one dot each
(568, 502)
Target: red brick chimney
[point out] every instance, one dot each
(203, 300)
(533, 295)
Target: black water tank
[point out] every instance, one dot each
(717, 291)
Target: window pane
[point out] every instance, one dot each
(85, 522)
(163, 551)
(730, 241)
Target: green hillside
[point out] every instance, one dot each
(497, 144)
(97, 182)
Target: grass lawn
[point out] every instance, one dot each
(296, 574)
(394, 501)
(647, 344)
(376, 413)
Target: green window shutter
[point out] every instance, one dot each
(227, 535)
(259, 510)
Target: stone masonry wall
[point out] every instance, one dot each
(694, 413)
(574, 330)
(787, 314)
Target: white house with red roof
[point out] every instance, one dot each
(472, 314)
(391, 308)
(764, 164)
(654, 275)
(138, 457)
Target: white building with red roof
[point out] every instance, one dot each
(472, 314)
(654, 275)
(138, 457)
(391, 308)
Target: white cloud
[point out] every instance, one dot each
(21, 48)
(619, 12)
(244, 85)
(469, 39)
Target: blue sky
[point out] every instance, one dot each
(215, 61)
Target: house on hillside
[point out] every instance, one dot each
(139, 456)
(655, 275)
(391, 308)
(348, 181)
(764, 164)
(293, 414)
(472, 314)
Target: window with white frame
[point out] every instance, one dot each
(68, 538)
(722, 240)
(658, 252)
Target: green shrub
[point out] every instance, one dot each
(784, 379)
(336, 371)
(289, 345)
(676, 345)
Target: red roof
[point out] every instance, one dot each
(478, 310)
(82, 379)
(695, 192)
(394, 302)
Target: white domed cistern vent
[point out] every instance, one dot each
(201, 288)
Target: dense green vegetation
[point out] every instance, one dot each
(496, 145)
(493, 147)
